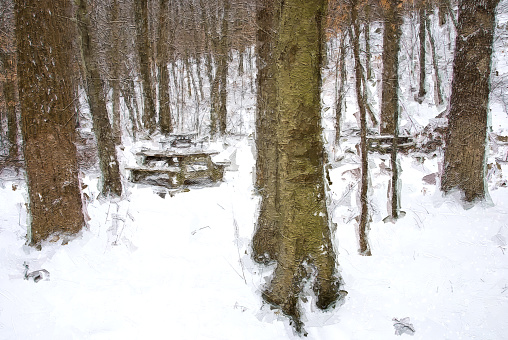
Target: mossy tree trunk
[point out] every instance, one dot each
(108, 161)
(143, 49)
(391, 41)
(304, 245)
(45, 55)
(464, 159)
(266, 238)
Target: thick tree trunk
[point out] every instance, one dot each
(364, 206)
(143, 49)
(305, 236)
(165, 124)
(391, 40)
(464, 159)
(44, 46)
(266, 238)
(111, 182)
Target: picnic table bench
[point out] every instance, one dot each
(174, 169)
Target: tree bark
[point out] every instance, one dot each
(305, 238)
(143, 50)
(464, 159)
(341, 74)
(8, 61)
(390, 78)
(364, 206)
(421, 36)
(435, 63)
(368, 54)
(219, 88)
(165, 123)
(45, 55)
(108, 161)
(132, 105)
(266, 237)
(115, 82)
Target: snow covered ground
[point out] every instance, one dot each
(176, 265)
(179, 267)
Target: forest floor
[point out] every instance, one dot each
(160, 263)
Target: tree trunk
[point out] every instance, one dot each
(8, 61)
(143, 49)
(111, 182)
(165, 124)
(115, 82)
(305, 246)
(368, 54)
(219, 94)
(44, 46)
(464, 159)
(132, 104)
(341, 74)
(439, 94)
(391, 40)
(443, 6)
(364, 207)
(421, 35)
(266, 238)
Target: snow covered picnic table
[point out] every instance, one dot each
(173, 168)
(383, 144)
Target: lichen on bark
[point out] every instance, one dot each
(304, 239)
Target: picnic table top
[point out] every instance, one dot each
(176, 153)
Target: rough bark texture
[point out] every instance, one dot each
(390, 78)
(165, 124)
(143, 49)
(364, 206)
(266, 238)
(305, 239)
(108, 162)
(8, 61)
(44, 46)
(464, 160)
